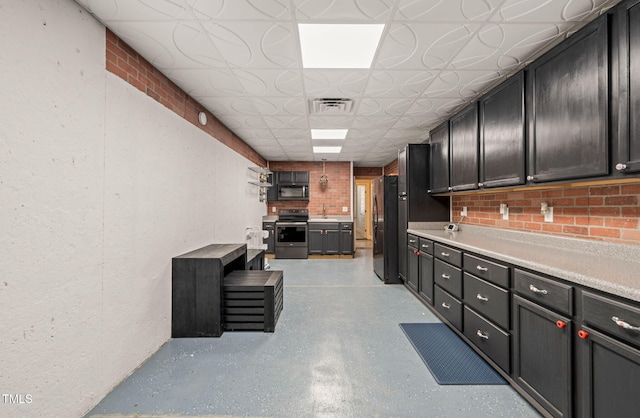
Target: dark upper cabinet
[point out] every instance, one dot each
(440, 158)
(463, 149)
(568, 107)
(293, 177)
(628, 23)
(502, 134)
(272, 192)
(413, 183)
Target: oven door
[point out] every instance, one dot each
(291, 240)
(291, 234)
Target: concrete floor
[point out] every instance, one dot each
(337, 352)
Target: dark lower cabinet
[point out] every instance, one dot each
(568, 107)
(270, 227)
(612, 376)
(425, 277)
(542, 355)
(413, 263)
(346, 238)
(323, 238)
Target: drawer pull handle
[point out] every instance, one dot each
(625, 325)
(445, 254)
(446, 305)
(412, 241)
(425, 246)
(480, 268)
(583, 334)
(445, 276)
(482, 298)
(536, 290)
(482, 334)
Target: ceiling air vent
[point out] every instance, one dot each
(328, 105)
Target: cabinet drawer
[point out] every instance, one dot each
(323, 226)
(599, 312)
(426, 246)
(448, 277)
(493, 341)
(488, 270)
(448, 254)
(488, 299)
(413, 241)
(544, 291)
(448, 306)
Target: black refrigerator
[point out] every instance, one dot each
(385, 229)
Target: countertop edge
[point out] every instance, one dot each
(596, 282)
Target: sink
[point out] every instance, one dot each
(323, 220)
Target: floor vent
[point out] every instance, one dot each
(329, 105)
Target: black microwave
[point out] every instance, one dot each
(293, 192)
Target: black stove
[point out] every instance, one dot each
(291, 233)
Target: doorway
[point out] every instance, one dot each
(363, 200)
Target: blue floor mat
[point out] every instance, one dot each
(450, 360)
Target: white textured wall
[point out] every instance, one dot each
(99, 187)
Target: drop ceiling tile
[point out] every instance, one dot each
(446, 11)
(109, 11)
(383, 106)
(548, 10)
(364, 122)
(399, 83)
(241, 9)
(274, 83)
(254, 134)
(422, 45)
(461, 84)
(235, 122)
(409, 135)
(273, 106)
(294, 143)
(365, 135)
(292, 133)
(246, 44)
(506, 47)
(329, 122)
(287, 122)
(334, 83)
(222, 106)
(349, 10)
(206, 82)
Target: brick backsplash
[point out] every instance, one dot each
(334, 196)
(603, 212)
(127, 64)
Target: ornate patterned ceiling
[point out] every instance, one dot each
(241, 60)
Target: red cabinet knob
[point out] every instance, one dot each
(583, 334)
(560, 324)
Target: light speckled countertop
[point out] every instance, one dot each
(611, 268)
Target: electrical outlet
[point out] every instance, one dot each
(273, 209)
(345, 209)
(548, 216)
(464, 211)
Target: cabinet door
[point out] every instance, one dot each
(542, 356)
(402, 238)
(568, 105)
(629, 124)
(272, 192)
(300, 177)
(402, 172)
(413, 266)
(270, 227)
(440, 159)
(346, 242)
(425, 281)
(331, 241)
(612, 372)
(285, 176)
(464, 146)
(315, 237)
(502, 134)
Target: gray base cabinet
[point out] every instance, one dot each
(324, 238)
(346, 238)
(270, 227)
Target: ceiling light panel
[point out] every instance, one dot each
(329, 133)
(339, 45)
(326, 150)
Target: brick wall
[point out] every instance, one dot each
(335, 195)
(602, 212)
(367, 171)
(391, 168)
(127, 64)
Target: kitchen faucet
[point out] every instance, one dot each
(324, 213)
